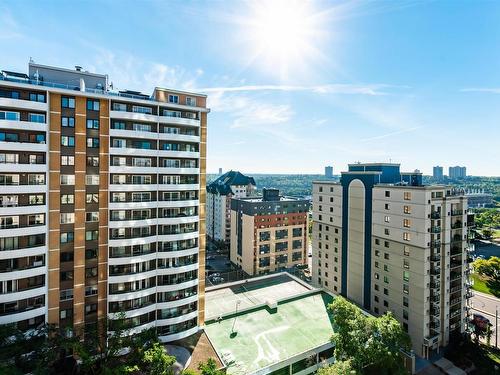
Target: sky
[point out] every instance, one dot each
(294, 86)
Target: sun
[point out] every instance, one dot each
(283, 35)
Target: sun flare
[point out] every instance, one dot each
(284, 34)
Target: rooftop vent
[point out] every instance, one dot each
(78, 68)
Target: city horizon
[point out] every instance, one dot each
(334, 95)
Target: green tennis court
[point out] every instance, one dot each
(263, 338)
(222, 301)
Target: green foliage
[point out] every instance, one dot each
(209, 368)
(489, 269)
(368, 342)
(157, 362)
(190, 372)
(487, 218)
(338, 368)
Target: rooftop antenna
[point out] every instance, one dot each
(31, 60)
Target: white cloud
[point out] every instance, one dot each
(490, 90)
(334, 88)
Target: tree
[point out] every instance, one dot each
(338, 368)
(157, 362)
(209, 368)
(369, 343)
(490, 269)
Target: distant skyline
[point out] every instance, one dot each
(294, 86)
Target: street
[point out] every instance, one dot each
(485, 304)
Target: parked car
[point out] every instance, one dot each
(480, 321)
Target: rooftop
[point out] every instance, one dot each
(265, 336)
(222, 185)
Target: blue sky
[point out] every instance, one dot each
(414, 82)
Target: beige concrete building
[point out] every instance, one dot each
(389, 243)
(268, 233)
(102, 203)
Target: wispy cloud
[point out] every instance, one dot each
(334, 88)
(386, 135)
(490, 90)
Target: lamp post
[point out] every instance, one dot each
(238, 302)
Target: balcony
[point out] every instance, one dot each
(435, 258)
(455, 301)
(457, 212)
(455, 276)
(23, 104)
(435, 271)
(436, 244)
(435, 311)
(435, 215)
(435, 229)
(456, 225)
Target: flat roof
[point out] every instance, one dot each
(258, 336)
(264, 338)
(221, 301)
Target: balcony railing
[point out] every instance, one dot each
(456, 212)
(435, 215)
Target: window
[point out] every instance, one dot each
(92, 198)
(67, 102)
(90, 272)
(34, 97)
(91, 235)
(173, 99)
(93, 161)
(10, 115)
(375, 298)
(387, 206)
(386, 231)
(66, 275)
(118, 125)
(93, 142)
(406, 236)
(142, 109)
(387, 219)
(67, 237)
(141, 127)
(407, 195)
(92, 124)
(68, 141)
(377, 276)
(91, 309)
(36, 199)
(406, 289)
(386, 279)
(376, 264)
(66, 294)
(67, 160)
(67, 179)
(406, 251)
(406, 264)
(386, 291)
(36, 179)
(67, 256)
(386, 304)
(406, 223)
(68, 122)
(406, 276)
(191, 101)
(386, 256)
(386, 243)
(405, 314)
(67, 199)
(406, 301)
(386, 268)
(67, 218)
(63, 314)
(387, 193)
(407, 209)
(119, 107)
(92, 105)
(36, 117)
(92, 216)
(377, 241)
(92, 179)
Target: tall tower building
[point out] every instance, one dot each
(102, 203)
(457, 172)
(437, 173)
(389, 243)
(232, 184)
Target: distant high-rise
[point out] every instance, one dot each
(437, 173)
(457, 172)
(329, 172)
(220, 170)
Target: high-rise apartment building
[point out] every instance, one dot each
(268, 233)
(102, 205)
(230, 185)
(328, 172)
(457, 172)
(389, 243)
(437, 173)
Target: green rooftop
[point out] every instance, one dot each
(264, 337)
